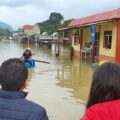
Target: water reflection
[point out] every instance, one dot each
(76, 76)
(63, 83)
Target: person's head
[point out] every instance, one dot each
(105, 84)
(27, 51)
(13, 75)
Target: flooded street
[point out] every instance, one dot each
(62, 86)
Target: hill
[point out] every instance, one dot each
(6, 27)
(4, 32)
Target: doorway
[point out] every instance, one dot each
(96, 47)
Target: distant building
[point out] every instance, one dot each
(36, 32)
(20, 31)
(28, 30)
(55, 34)
(31, 29)
(44, 33)
(36, 29)
(15, 35)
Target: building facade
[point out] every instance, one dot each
(106, 44)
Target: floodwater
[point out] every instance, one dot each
(62, 86)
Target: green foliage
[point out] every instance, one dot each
(4, 32)
(52, 24)
(55, 18)
(66, 23)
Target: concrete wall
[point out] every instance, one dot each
(103, 51)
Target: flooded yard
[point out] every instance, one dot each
(62, 86)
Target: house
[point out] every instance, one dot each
(106, 35)
(28, 30)
(35, 32)
(36, 29)
(32, 31)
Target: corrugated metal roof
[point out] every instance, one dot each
(28, 27)
(96, 18)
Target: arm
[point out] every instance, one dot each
(21, 57)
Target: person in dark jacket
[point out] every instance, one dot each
(104, 97)
(13, 105)
(27, 56)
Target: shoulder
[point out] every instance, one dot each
(25, 105)
(90, 115)
(106, 110)
(39, 110)
(35, 106)
(36, 109)
(105, 105)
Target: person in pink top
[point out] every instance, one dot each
(104, 96)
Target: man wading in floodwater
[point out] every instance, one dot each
(13, 105)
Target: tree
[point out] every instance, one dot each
(52, 24)
(63, 25)
(55, 18)
(66, 23)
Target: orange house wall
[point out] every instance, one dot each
(118, 44)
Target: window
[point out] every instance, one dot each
(76, 38)
(107, 39)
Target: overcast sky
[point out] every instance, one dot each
(20, 12)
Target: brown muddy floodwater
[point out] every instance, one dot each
(62, 86)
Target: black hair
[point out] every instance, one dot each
(13, 74)
(27, 50)
(105, 84)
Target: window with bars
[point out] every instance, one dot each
(107, 39)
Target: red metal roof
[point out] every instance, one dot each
(28, 27)
(96, 18)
